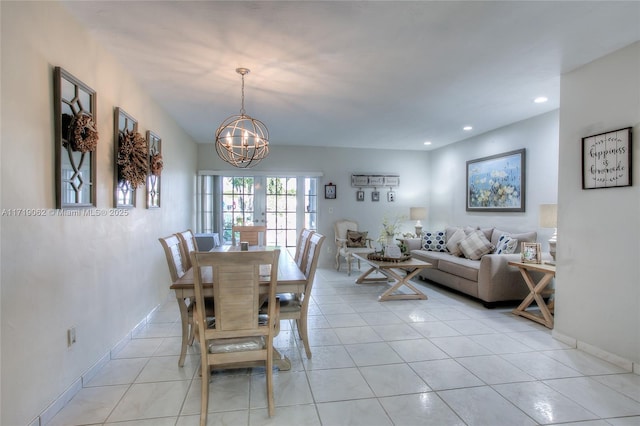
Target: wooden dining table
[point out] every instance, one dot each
(290, 280)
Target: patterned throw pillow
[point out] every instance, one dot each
(452, 242)
(475, 245)
(506, 245)
(356, 239)
(434, 241)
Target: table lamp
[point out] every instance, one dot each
(418, 214)
(549, 219)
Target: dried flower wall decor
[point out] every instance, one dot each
(76, 139)
(127, 162)
(133, 158)
(83, 133)
(156, 164)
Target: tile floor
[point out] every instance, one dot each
(442, 361)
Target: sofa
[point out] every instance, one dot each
(474, 261)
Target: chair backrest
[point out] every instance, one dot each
(342, 226)
(189, 244)
(302, 248)
(315, 243)
(247, 233)
(236, 292)
(174, 254)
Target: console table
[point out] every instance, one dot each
(393, 271)
(537, 292)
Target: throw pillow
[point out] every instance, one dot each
(506, 245)
(434, 241)
(524, 237)
(452, 242)
(475, 245)
(356, 239)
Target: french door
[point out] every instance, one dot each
(285, 204)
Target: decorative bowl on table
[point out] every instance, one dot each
(380, 257)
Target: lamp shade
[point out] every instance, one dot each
(417, 213)
(548, 215)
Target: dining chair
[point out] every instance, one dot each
(296, 306)
(238, 334)
(248, 233)
(189, 244)
(174, 253)
(302, 248)
(349, 242)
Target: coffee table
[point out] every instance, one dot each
(393, 271)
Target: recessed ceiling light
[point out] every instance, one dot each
(427, 143)
(540, 99)
(467, 128)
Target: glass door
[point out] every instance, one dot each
(285, 204)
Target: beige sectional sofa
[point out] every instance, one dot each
(489, 278)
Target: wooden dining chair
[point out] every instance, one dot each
(248, 234)
(174, 253)
(296, 306)
(189, 244)
(238, 334)
(302, 247)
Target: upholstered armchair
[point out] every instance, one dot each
(350, 241)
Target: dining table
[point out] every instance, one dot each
(290, 280)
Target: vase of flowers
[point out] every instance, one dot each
(390, 227)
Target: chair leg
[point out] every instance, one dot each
(338, 260)
(269, 374)
(204, 393)
(349, 261)
(302, 330)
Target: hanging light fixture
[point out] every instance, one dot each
(241, 140)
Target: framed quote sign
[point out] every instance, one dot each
(606, 159)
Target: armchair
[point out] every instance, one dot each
(347, 245)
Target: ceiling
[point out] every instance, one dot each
(361, 74)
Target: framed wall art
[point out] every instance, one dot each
(375, 195)
(155, 170)
(131, 159)
(76, 139)
(360, 195)
(330, 191)
(497, 183)
(606, 159)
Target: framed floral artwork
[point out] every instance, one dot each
(497, 183)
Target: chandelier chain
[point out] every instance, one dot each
(242, 111)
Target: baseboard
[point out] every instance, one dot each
(61, 401)
(614, 359)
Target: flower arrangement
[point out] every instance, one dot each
(390, 227)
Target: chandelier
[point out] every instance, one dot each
(241, 140)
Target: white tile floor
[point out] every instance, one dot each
(442, 361)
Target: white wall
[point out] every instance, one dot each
(337, 165)
(101, 275)
(539, 135)
(598, 290)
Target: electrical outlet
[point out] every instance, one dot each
(71, 336)
(330, 210)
